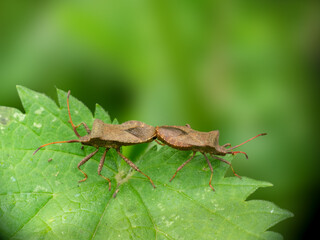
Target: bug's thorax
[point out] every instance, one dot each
(218, 150)
(212, 144)
(95, 137)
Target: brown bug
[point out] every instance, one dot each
(185, 138)
(110, 136)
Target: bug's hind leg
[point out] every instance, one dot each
(83, 161)
(134, 166)
(210, 169)
(179, 168)
(101, 166)
(227, 162)
(160, 143)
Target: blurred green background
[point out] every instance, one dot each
(243, 67)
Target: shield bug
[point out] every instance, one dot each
(110, 136)
(185, 138)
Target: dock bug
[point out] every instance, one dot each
(110, 136)
(185, 138)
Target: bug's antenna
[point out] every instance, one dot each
(70, 120)
(70, 141)
(261, 134)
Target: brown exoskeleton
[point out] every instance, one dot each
(185, 138)
(110, 136)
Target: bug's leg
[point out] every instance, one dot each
(83, 161)
(236, 152)
(227, 162)
(226, 145)
(85, 126)
(101, 165)
(160, 143)
(210, 169)
(134, 166)
(179, 168)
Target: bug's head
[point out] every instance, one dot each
(230, 149)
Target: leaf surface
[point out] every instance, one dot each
(41, 199)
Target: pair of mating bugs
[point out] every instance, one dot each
(135, 132)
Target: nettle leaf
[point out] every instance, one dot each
(43, 200)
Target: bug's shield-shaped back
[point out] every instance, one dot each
(185, 137)
(127, 133)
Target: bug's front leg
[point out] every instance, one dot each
(83, 161)
(85, 126)
(226, 145)
(227, 162)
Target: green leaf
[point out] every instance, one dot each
(43, 200)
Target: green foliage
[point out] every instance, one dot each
(43, 200)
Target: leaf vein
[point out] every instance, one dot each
(102, 215)
(36, 213)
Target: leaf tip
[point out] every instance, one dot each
(267, 184)
(102, 114)
(115, 121)
(20, 88)
(290, 214)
